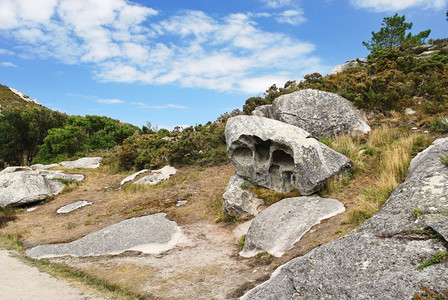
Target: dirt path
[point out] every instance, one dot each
(205, 266)
(21, 282)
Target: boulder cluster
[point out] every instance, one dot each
(277, 148)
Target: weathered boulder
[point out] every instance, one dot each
(277, 228)
(322, 114)
(82, 163)
(353, 63)
(21, 185)
(280, 156)
(239, 200)
(380, 259)
(157, 176)
(148, 234)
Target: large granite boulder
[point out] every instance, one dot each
(238, 200)
(322, 114)
(280, 156)
(277, 228)
(148, 234)
(381, 259)
(21, 185)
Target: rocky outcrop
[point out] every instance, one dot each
(238, 199)
(157, 176)
(353, 63)
(281, 225)
(322, 114)
(21, 185)
(381, 259)
(280, 156)
(148, 234)
(82, 163)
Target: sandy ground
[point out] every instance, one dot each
(22, 282)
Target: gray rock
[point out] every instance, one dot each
(280, 156)
(239, 201)
(149, 234)
(133, 176)
(353, 63)
(72, 206)
(82, 163)
(263, 111)
(322, 114)
(380, 259)
(21, 185)
(281, 225)
(44, 167)
(157, 176)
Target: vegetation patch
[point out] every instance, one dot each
(7, 214)
(435, 259)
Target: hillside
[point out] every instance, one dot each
(403, 92)
(10, 100)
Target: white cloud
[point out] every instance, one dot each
(277, 3)
(124, 42)
(8, 64)
(292, 17)
(396, 5)
(6, 52)
(110, 101)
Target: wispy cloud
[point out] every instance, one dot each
(6, 52)
(277, 3)
(8, 64)
(396, 5)
(165, 106)
(292, 17)
(125, 42)
(110, 101)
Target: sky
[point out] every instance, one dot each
(181, 63)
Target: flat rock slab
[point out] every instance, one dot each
(281, 225)
(380, 259)
(82, 163)
(72, 206)
(133, 176)
(157, 176)
(149, 234)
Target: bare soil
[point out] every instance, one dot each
(206, 266)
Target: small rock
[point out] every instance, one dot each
(73, 206)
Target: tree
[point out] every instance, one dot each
(393, 34)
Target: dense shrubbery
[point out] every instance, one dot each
(81, 135)
(202, 145)
(22, 131)
(393, 79)
(34, 135)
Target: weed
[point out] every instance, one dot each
(70, 225)
(134, 209)
(430, 295)
(444, 159)
(435, 259)
(87, 222)
(241, 242)
(269, 196)
(358, 216)
(11, 241)
(245, 185)
(417, 212)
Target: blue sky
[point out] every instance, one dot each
(183, 62)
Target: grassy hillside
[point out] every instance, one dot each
(10, 100)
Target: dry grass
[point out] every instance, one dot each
(380, 164)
